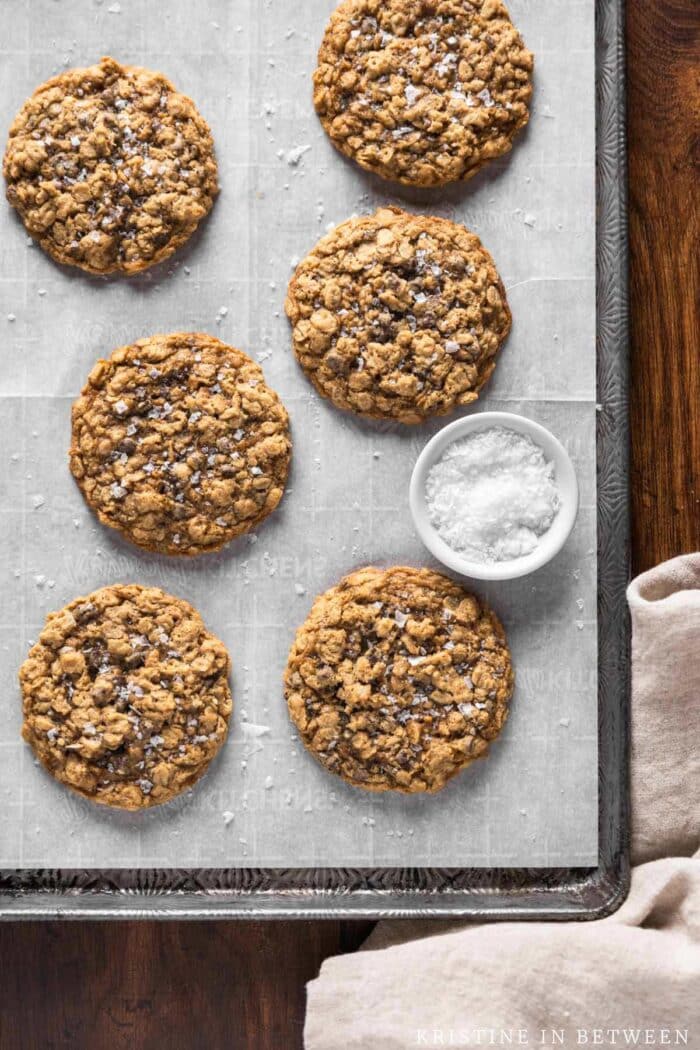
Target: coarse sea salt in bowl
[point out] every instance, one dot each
(494, 496)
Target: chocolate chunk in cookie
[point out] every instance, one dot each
(398, 316)
(110, 168)
(179, 443)
(126, 697)
(399, 679)
(423, 92)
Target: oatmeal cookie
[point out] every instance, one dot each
(126, 697)
(179, 443)
(398, 316)
(423, 92)
(110, 168)
(399, 679)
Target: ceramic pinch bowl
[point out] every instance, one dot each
(549, 544)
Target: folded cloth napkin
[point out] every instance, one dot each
(630, 979)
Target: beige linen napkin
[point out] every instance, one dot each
(630, 979)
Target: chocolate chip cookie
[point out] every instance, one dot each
(399, 679)
(110, 168)
(179, 443)
(398, 316)
(126, 697)
(423, 92)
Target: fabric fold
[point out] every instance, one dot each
(665, 758)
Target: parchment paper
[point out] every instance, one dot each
(247, 63)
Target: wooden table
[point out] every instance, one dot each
(225, 986)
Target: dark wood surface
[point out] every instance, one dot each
(229, 986)
(663, 57)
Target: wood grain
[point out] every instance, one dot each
(161, 986)
(227, 986)
(663, 49)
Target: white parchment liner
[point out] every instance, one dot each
(247, 63)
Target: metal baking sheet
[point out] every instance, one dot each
(538, 828)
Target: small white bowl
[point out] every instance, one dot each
(549, 544)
